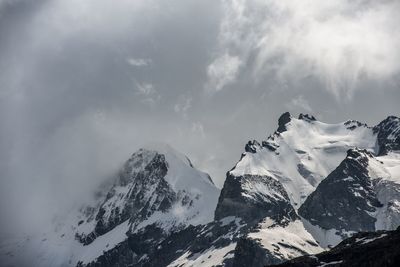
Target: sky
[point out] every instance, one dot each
(85, 83)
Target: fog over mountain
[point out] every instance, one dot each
(85, 83)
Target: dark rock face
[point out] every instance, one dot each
(344, 198)
(282, 121)
(144, 172)
(120, 256)
(197, 240)
(252, 205)
(353, 124)
(252, 198)
(371, 249)
(388, 135)
(249, 253)
(307, 117)
(151, 247)
(252, 146)
(133, 251)
(308, 175)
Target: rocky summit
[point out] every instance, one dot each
(309, 194)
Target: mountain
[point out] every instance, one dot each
(302, 152)
(157, 188)
(335, 172)
(301, 191)
(375, 249)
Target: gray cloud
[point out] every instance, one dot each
(340, 42)
(85, 83)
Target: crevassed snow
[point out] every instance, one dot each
(307, 152)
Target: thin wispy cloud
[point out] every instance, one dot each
(139, 62)
(299, 102)
(222, 71)
(183, 105)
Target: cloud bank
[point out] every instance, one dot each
(339, 42)
(84, 83)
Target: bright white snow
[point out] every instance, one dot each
(308, 151)
(286, 242)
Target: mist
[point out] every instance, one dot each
(86, 83)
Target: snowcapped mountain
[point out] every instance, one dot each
(301, 191)
(157, 186)
(340, 178)
(302, 152)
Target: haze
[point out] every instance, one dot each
(84, 83)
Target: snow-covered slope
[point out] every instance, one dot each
(302, 152)
(272, 242)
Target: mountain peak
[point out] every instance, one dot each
(252, 146)
(353, 124)
(356, 153)
(388, 132)
(307, 117)
(286, 117)
(158, 185)
(282, 121)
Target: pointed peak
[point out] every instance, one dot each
(388, 121)
(252, 146)
(353, 124)
(307, 117)
(166, 150)
(388, 134)
(282, 121)
(391, 118)
(357, 152)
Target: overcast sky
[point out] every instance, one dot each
(84, 83)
